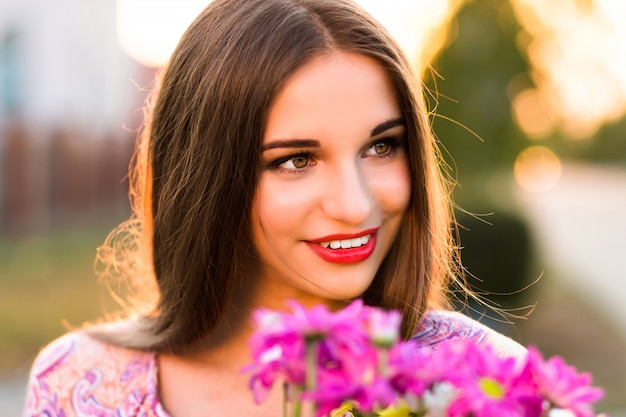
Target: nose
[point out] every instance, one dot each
(348, 197)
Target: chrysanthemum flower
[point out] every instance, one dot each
(279, 343)
(281, 361)
(354, 356)
(384, 326)
(438, 398)
(412, 369)
(345, 327)
(493, 386)
(354, 378)
(562, 385)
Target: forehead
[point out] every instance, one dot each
(336, 93)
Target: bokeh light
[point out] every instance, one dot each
(537, 169)
(577, 50)
(420, 26)
(578, 53)
(534, 114)
(148, 30)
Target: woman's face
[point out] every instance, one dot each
(335, 183)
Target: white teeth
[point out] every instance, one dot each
(347, 243)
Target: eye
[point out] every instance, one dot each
(299, 161)
(382, 148)
(293, 163)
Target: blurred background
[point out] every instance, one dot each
(527, 99)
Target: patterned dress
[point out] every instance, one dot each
(78, 376)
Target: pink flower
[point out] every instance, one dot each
(384, 326)
(280, 341)
(331, 394)
(277, 351)
(355, 355)
(562, 385)
(283, 360)
(492, 386)
(350, 376)
(345, 327)
(413, 369)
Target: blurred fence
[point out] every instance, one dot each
(59, 178)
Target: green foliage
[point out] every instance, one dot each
(506, 273)
(47, 283)
(477, 69)
(497, 253)
(607, 146)
(481, 69)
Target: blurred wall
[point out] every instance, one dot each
(70, 107)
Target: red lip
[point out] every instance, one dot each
(345, 256)
(345, 236)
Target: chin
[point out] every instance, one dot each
(346, 292)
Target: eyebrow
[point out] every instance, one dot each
(292, 143)
(387, 125)
(312, 143)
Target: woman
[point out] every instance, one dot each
(288, 156)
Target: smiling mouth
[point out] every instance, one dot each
(356, 242)
(346, 249)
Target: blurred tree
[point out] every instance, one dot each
(480, 70)
(476, 76)
(607, 146)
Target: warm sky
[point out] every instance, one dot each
(577, 49)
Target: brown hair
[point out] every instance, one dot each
(197, 164)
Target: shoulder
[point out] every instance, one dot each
(438, 326)
(77, 374)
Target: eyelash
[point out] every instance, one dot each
(393, 142)
(276, 164)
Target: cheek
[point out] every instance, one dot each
(278, 206)
(393, 188)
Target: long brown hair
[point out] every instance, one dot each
(197, 164)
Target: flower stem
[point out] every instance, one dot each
(296, 408)
(312, 346)
(311, 365)
(383, 359)
(284, 414)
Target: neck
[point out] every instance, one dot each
(228, 342)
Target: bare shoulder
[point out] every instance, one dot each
(438, 326)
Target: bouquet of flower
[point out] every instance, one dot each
(351, 362)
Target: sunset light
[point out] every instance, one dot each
(149, 30)
(578, 53)
(420, 26)
(537, 169)
(577, 50)
(534, 114)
